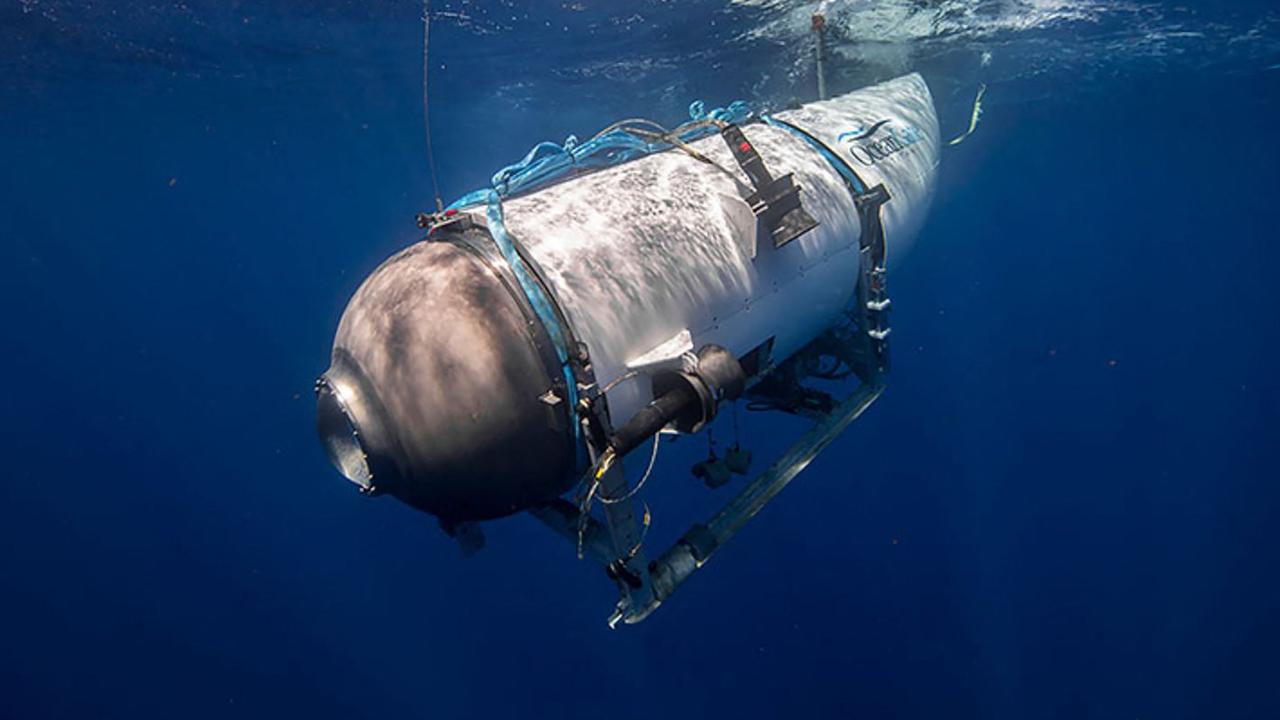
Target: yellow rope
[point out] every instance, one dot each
(973, 119)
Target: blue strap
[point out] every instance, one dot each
(538, 299)
(840, 165)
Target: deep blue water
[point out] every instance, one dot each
(1065, 505)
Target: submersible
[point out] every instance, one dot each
(538, 334)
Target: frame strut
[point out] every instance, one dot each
(700, 542)
(653, 583)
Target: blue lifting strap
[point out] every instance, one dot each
(538, 299)
(840, 166)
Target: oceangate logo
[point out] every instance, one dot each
(870, 145)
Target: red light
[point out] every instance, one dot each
(744, 147)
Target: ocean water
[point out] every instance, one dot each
(1064, 506)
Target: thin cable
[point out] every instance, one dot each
(584, 514)
(618, 380)
(426, 115)
(644, 533)
(672, 140)
(653, 458)
(584, 506)
(629, 121)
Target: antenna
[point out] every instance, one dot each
(426, 104)
(820, 33)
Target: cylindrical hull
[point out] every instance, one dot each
(641, 252)
(448, 388)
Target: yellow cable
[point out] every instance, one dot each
(973, 119)
(606, 462)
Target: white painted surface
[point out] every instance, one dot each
(640, 252)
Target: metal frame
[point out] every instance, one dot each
(617, 542)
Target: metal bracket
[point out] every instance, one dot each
(776, 201)
(872, 303)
